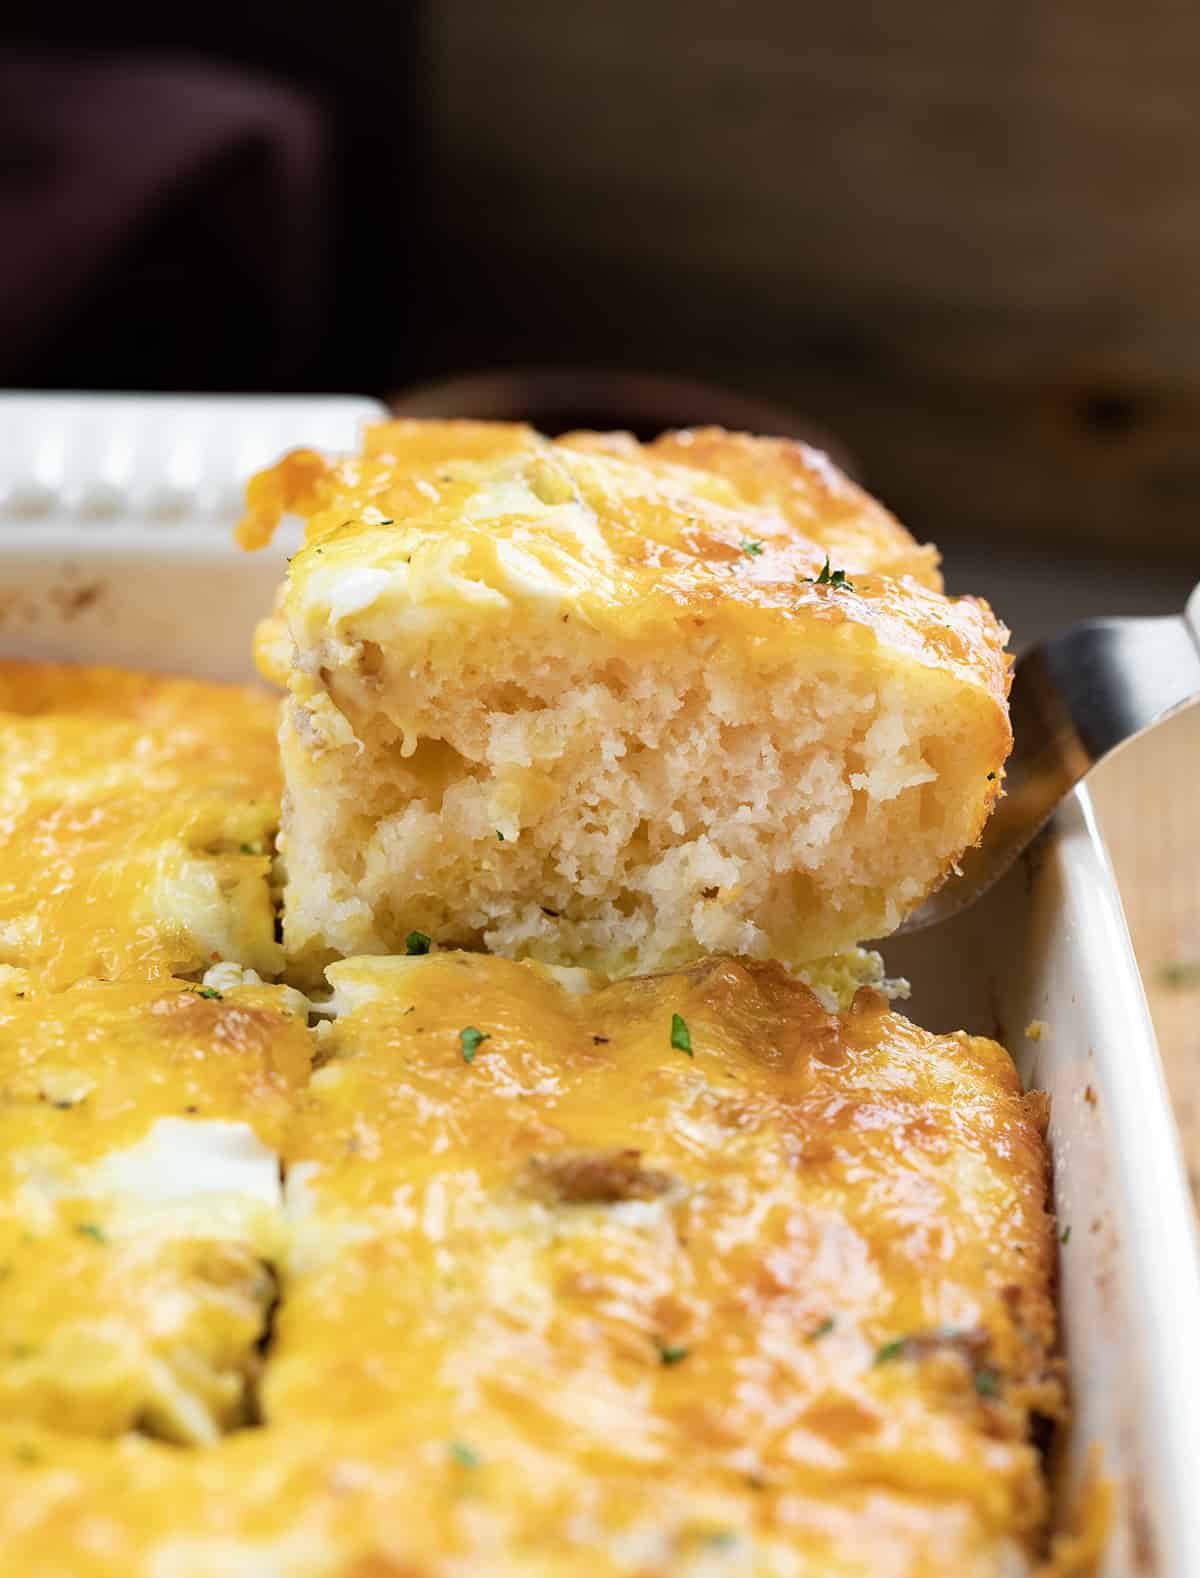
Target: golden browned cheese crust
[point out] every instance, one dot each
(676, 547)
(734, 469)
(137, 814)
(792, 478)
(681, 1275)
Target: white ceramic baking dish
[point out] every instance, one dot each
(115, 516)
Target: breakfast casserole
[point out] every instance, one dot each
(599, 704)
(636, 1238)
(677, 1275)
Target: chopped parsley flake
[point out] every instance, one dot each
(210, 991)
(823, 1330)
(835, 578)
(752, 549)
(499, 835)
(1180, 974)
(991, 778)
(463, 1455)
(1065, 1236)
(671, 1353)
(986, 1383)
(248, 849)
(681, 1036)
(890, 1350)
(90, 1230)
(471, 1040)
(416, 942)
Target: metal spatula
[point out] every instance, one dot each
(1074, 700)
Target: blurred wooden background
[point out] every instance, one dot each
(966, 238)
(1144, 804)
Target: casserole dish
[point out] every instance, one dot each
(115, 547)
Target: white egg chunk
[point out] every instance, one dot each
(140, 1203)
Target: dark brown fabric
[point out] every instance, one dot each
(164, 223)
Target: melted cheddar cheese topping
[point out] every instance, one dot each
(678, 1275)
(637, 541)
(136, 819)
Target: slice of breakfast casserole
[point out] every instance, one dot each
(594, 703)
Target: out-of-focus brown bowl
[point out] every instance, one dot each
(557, 399)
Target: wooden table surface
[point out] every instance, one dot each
(1146, 799)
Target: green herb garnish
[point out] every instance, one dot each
(822, 1330)
(415, 943)
(499, 835)
(835, 578)
(672, 1353)
(1065, 1236)
(463, 1455)
(753, 549)
(1180, 974)
(90, 1230)
(471, 1040)
(891, 1350)
(991, 778)
(986, 1383)
(210, 991)
(681, 1036)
